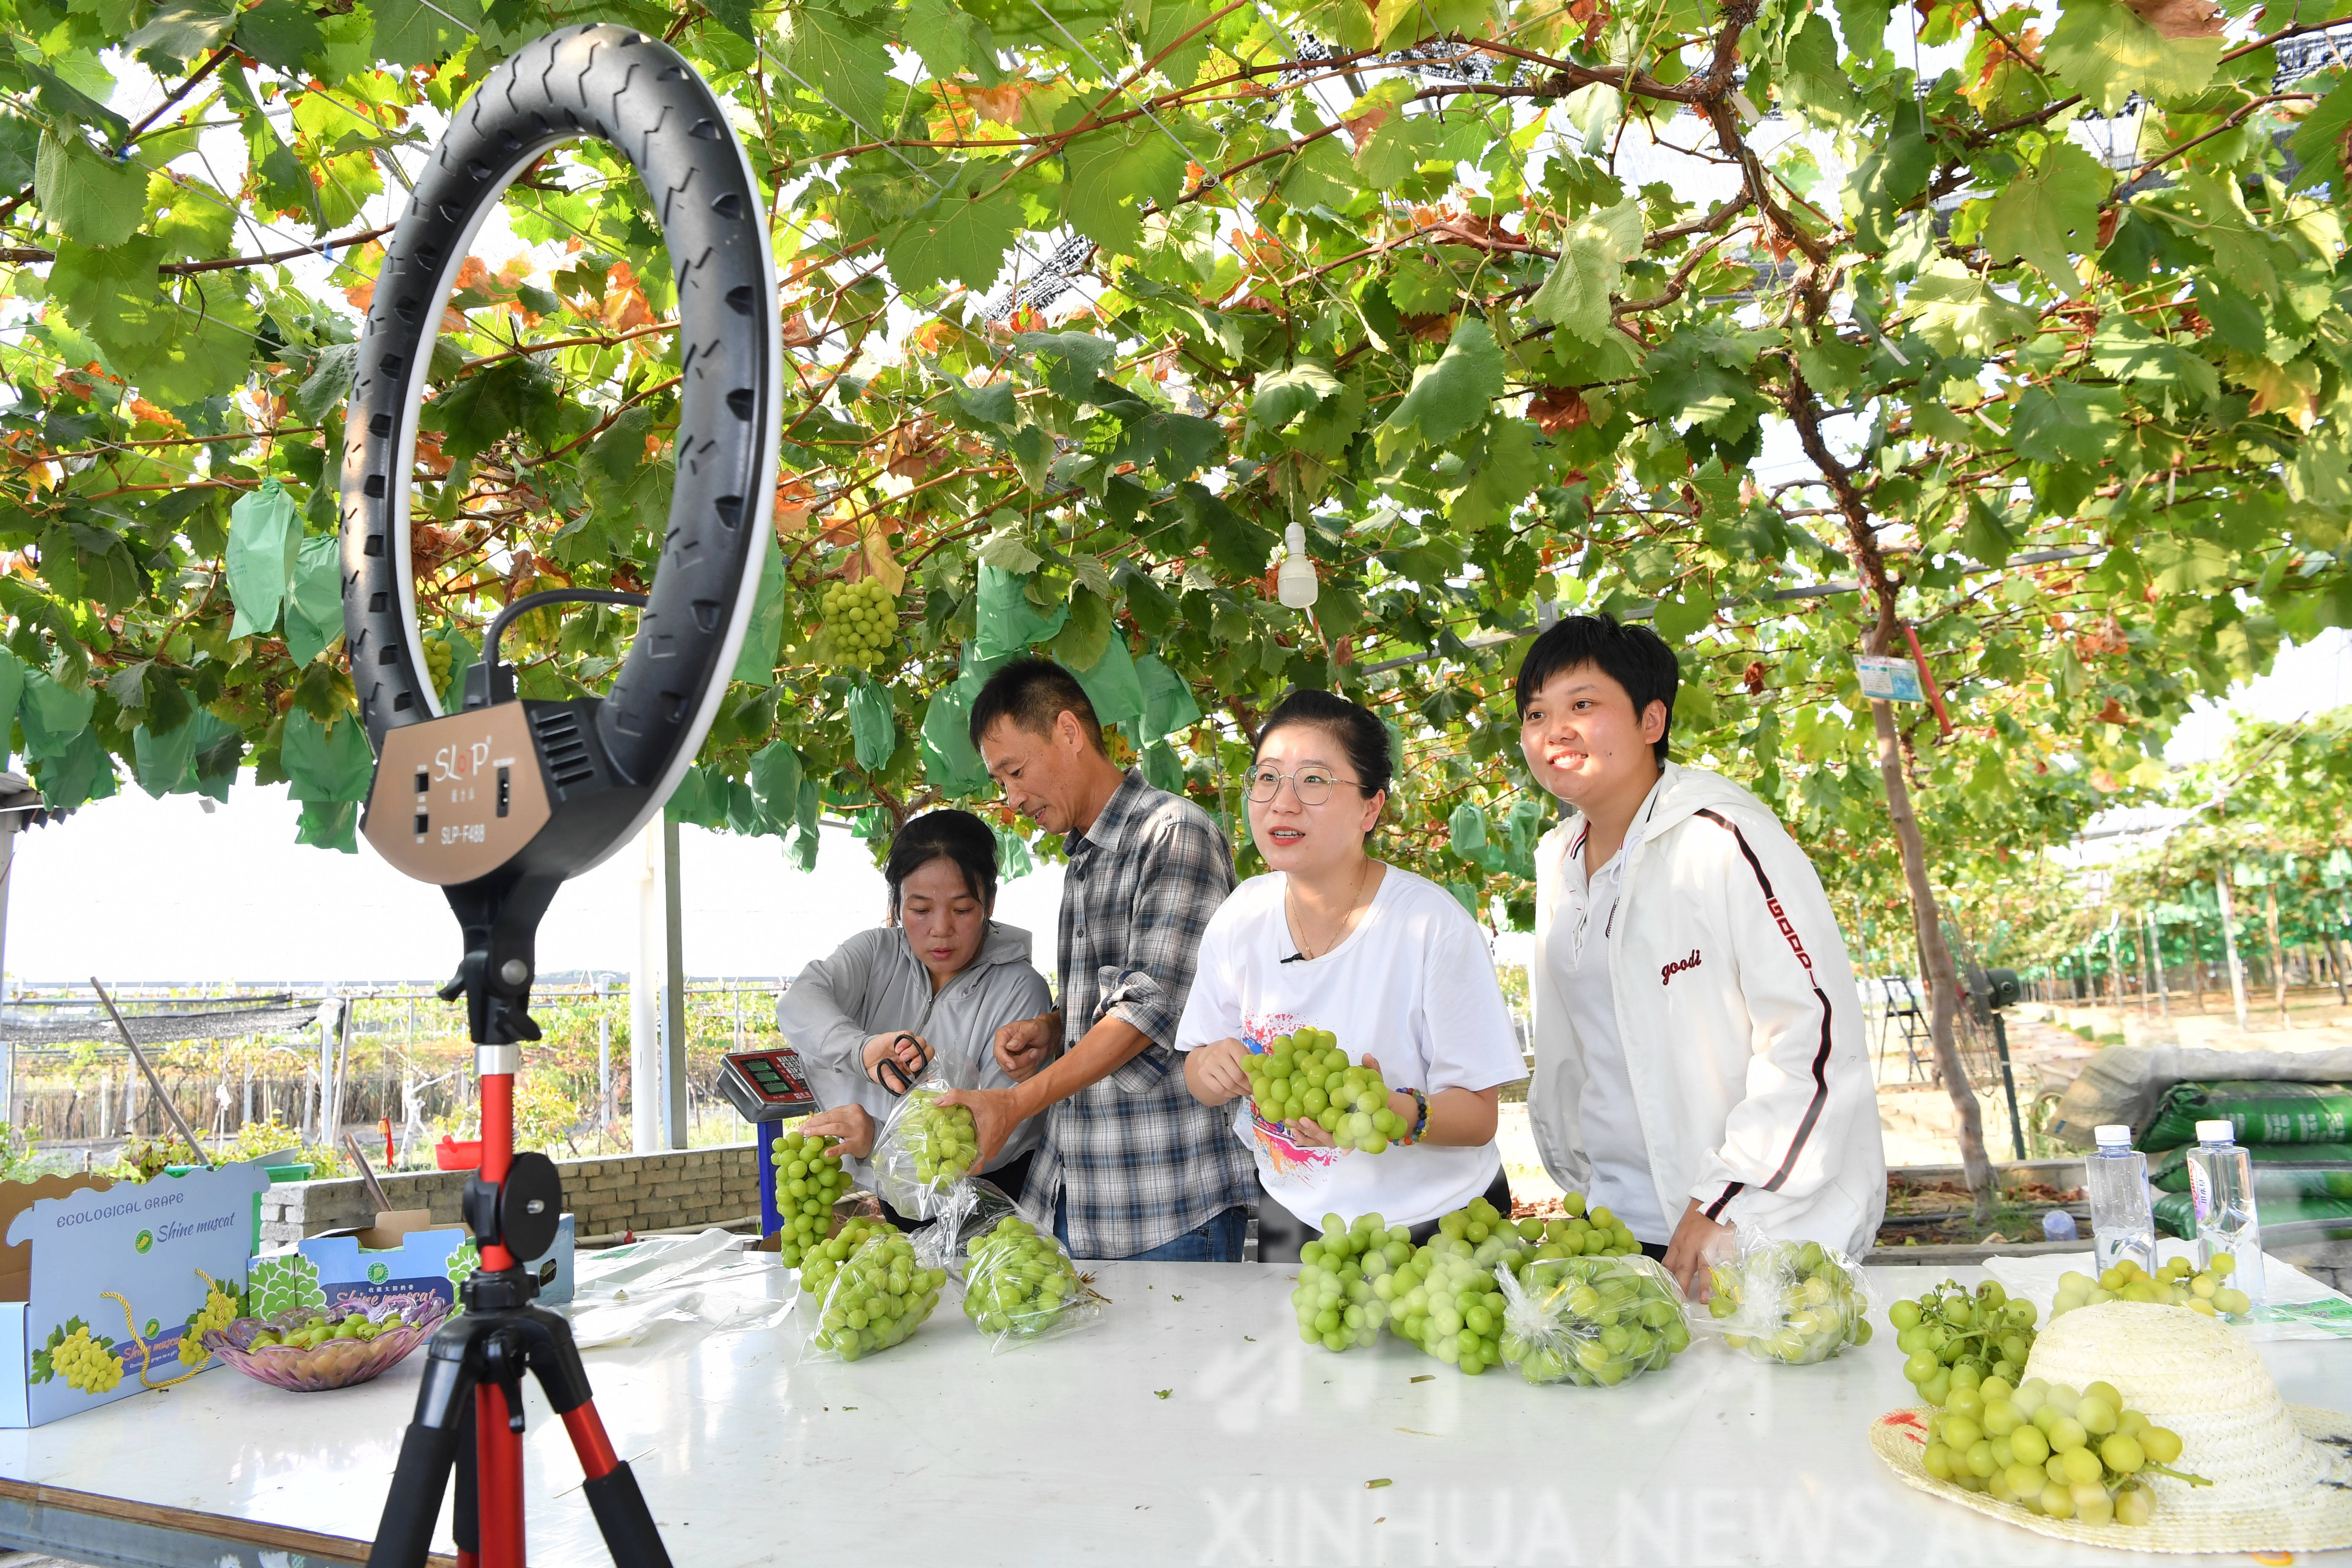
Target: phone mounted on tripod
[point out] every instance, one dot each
(501, 800)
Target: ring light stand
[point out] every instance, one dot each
(503, 801)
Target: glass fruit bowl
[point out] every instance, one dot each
(313, 1347)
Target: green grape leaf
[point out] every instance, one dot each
(98, 201)
(2066, 422)
(735, 15)
(1073, 362)
(1591, 265)
(1450, 396)
(330, 382)
(2102, 50)
(1956, 312)
(1176, 445)
(280, 34)
(1506, 473)
(828, 54)
(1112, 173)
(1284, 395)
(180, 30)
(958, 236)
(1812, 78)
(2051, 214)
(416, 33)
(1169, 21)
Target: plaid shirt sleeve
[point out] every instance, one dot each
(1179, 874)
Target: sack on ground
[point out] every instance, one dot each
(2313, 1219)
(2259, 1110)
(2281, 1171)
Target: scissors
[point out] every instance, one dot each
(887, 1070)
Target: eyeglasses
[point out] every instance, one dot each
(1312, 784)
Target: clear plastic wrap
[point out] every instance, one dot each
(967, 1210)
(1793, 1301)
(864, 1291)
(1021, 1287)
(924, 1150)
(668, 1287)
(1590, 1320)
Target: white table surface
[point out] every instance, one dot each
(937, 1452)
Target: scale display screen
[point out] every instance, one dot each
(767, 1085)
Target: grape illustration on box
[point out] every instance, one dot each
(120, 1282)
(284, 1283)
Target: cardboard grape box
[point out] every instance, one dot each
(402, 1260)
(106, 1287)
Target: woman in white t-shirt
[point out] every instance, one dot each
(1388, 961)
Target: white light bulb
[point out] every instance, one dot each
(1293, 581)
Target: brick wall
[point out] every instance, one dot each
(617, 1193)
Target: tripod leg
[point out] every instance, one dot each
(466, 1522)
(622, 1516)
(499, 1504)
(405, 1534)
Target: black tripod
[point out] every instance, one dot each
(469, 1410)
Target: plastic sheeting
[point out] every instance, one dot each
(668, 1290)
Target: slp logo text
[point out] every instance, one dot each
(453, 763)
(1668, 972)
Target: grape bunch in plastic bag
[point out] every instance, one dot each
(870, 1298)
(1020, 1286)
(1793, 1301)
(924, 1150)
(1590, 1320)
(1444, 1300)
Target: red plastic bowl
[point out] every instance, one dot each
(451, 1155)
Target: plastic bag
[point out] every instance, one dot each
(864, 1291)
(968, 1211)
(1793, 1301)
(667, 1287)
(924, 1150)
(1019, 1287)
(1590, 1320)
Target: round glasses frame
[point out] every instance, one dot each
(1312, 787)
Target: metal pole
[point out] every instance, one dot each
(2230, 945)
(141, 1058)
(674, 1003)
(645, 1001)
(2007, 1083)
(2155, 959)
(604, 1054)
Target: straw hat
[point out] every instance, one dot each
(2282, 1474)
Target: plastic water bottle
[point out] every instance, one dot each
(2221, 1187)
(2123, 1225)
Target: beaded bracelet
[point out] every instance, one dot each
(1420, 1120)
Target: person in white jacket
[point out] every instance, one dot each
(1700, 1063)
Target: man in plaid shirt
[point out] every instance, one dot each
(1132, 1166)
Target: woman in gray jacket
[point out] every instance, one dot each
(939, 970)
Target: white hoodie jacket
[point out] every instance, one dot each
(1742, 1026)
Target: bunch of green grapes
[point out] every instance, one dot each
(1445, 1298)
(821, 1260)
(1021, 1281)
(809, 1177)
(861, 619)
(1599, 1233)
(2174, 1284)
(1339, 1297)
(219, 1311)
(1305, 1077)
(1956, 1338)
(941, 1138)
(440, 659)
(2045, 1446)
(85, 1363)
(877, 1297)
(1590, 1320)
(1790, 1301)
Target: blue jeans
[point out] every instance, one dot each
(1218, 1241)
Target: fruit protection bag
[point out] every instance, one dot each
(864, 1291)
(1590, 1320)
(924, 1149)
(1019, 1287)
(1793, 1301)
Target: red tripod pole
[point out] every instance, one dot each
(498, 1447)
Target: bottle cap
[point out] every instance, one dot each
(2115, 1135)
(2215, 1132)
